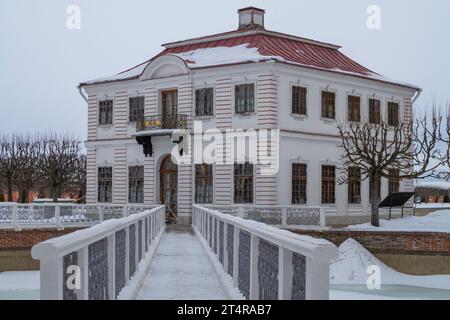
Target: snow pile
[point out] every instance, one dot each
(19, 280)
(350, 268)
(438, 221)
(444, 185)
(224, 55)
(433, 206)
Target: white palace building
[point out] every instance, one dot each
(249, 78)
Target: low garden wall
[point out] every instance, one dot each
(15, 247)
(417, 253)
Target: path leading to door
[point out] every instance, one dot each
(181, 271)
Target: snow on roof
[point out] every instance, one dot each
(223, 55)
(444, 185)
(257, 46)
(125, 75)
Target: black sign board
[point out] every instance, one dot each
(397, 199)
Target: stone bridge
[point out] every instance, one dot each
(220, 256)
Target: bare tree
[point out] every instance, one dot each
(29, 150)
(445, 140)
(58, 163)
(407, 150)
(9, 163)
(77, 186)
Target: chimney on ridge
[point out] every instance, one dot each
(251, 18)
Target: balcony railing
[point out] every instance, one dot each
(162, 121)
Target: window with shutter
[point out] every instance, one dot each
(354, 185)
(136, 184)
(204, 183)
(299, 179)
(244, 98)
(393, 114)
(328, 104)
(104, 180)
(136, 111)
(354, 107)
(299, 100)
(328, 184)
(394, 181)
(243, 183)
(374, 111)
(105, 112)
(204, 101)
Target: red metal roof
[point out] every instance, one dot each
(292, 50)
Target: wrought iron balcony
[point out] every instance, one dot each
(165, 121)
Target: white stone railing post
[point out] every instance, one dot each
(83, 256)
(317, 279)
(100, 213)
(284, 217)
(302, 265)
(57, 217)
(236, 256)
(322, 217)
(52, 253)
(284, 274)
(127, 256)
(111, 240)
(225, 247)
(254, 254)
(14, 217)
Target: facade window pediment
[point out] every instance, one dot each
(163, 67)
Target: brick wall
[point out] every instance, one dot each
(25, 239)
(389, 242)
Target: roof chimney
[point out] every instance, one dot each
(251, 18)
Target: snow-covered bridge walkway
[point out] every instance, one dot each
(181, 270)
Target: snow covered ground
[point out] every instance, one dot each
(19, 285)
(438, 221)
(441, 206)
(351, 269)
(181, 270)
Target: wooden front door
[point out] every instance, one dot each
(169, 188)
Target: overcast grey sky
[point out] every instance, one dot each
(41, 61)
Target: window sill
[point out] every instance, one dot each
(328, 120)
(204, 118)
(245, 115)
(105, 126)
(297, 116)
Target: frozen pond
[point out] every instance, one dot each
(19, 294)
(390, 292)
(19, 285)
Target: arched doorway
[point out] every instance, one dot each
(168, 184)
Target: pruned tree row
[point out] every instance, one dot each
(48, 164)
